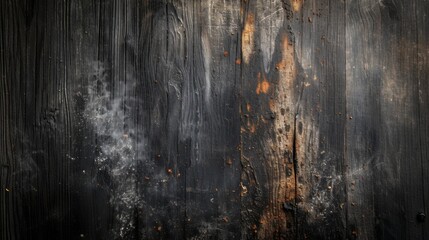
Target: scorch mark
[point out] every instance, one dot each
(279, 148)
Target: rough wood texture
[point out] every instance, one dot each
(235, 119)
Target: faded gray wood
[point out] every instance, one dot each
(385, 59)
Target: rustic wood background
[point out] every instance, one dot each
(214, 119)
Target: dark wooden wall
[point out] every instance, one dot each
(214, 119)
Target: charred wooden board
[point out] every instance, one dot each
(235, 119)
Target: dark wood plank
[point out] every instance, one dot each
(210, 119)
(363, 113)
(319, 33)
(92, 214)
(35, 168)
(384, 153)
(421, 59)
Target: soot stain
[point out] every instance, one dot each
(118, 148)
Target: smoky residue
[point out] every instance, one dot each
(25, 170)
(119, 148)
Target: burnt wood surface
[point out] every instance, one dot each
(217, 119)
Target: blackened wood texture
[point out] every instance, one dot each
(185, 119)
(385, 151)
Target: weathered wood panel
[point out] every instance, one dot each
(385, 59)
(186, 119)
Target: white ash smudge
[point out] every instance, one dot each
(118, 145)
(322, 200)
(207, 68)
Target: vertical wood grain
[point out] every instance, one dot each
(320, 119)
(363, 115)
(183, 119)
(384, 152)
(213, 174)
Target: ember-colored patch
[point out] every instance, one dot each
(296, 5)
(247, 38)
(263, 86)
